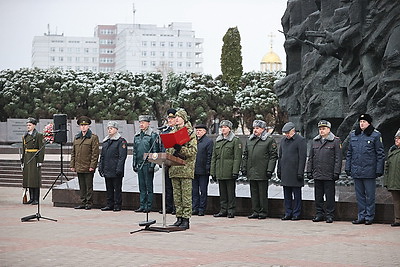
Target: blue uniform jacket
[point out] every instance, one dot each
(365, 156)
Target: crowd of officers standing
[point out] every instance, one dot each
(224, 160)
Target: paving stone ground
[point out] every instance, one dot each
(84, 238)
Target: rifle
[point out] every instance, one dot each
(315, 34)
(306, 42)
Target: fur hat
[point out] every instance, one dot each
(182, 113)
(398, 133)
(83, 120)
(260, 123)
(31, 120)
(226, 123)
(113, 124)
(324, 123)
(287, 127)
(144, 118)
(365, 117)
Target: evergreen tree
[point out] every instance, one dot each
(231, 59)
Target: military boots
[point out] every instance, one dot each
(178, 221)
(185, 223)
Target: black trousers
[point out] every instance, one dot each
(324, 188)
(114, 191)
(199, 192)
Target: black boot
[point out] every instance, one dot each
(178, 221)
(30, 196)
(36, 193)
(185, 223)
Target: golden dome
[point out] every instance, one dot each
(271, 57)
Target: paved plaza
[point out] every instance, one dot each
(84, 238)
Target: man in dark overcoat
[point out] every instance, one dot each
(202, 170)
(84, 157)
(259, 159)
(32, 160)
(324, 166)
(112, 165)
(291, 163)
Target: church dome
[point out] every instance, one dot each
(271, 57)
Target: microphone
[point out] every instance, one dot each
(162, 127)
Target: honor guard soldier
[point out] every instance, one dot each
(32, 160)
(84, 157)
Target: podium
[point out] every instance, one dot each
(163, 159)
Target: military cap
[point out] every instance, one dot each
(365, 117)
(259, 123)
(226, 123)
(201, 126)
(182, 113)
(113, 124)
(171, 113)
(84, 120)
(31, 120)
(324, 123)
(144, 118)
(287, 127)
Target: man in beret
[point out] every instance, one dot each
(202, 170)
(290, 170)
(259, 159)
(145, 141)
(225, 166)
(324, 166)
(169, 192)
(364, 163)
(32, 159)
(84, 156)
(112, 166)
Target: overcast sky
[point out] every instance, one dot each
(21, 20)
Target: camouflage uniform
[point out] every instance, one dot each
(182, 175)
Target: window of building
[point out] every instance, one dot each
(52, 49)
(162, 44)
(69, 59)
(189, 64)
(188, 54)
(179, 64)
(77, 59)
(171, 44)
(153, 43)
(180, 44)
(144, 53)
(86, 50)
(162, 54)
(180, 54)
(171, 54)
(188, 44)
(144, 63)
(78, 50)
(152, 53)
(61, 49)
(61, 59)
(153, 63)
(52, 59)
(144, 43)
(170, 64)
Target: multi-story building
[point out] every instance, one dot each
(67, 53)
(125, 47)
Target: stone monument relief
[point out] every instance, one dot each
(343, 59)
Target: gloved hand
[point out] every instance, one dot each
(135, 169)
(309, 175)
(268, 175)
(214, 178)
(156, 168)
(348, 173)
(39, 164)
(244, 172)
(278, 174)
(101, 173)
(379, 174)
(335, 176)
(179, 155)
(300, 177)
(178, 147)
(235, 176)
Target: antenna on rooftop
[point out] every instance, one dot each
(134, 11)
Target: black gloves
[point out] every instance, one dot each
(244, 172)
(178, 147)
(278, 174)
(300, 177)
(179, 155)
(235, 176)
(379, 174)
(101, 174)
(309, 175)
(135, 169)
(268, 175)
(348, 173)
(214, 178)
(335, 176)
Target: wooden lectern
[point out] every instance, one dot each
(164, 159)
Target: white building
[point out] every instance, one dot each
(123, 47)
(67, 53)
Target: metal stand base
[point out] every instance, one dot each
(35, 216)
(165, 229)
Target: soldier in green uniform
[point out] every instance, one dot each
(32, 159)
(259, 159)
(84, 156)
(182, 176)
(225, 165)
